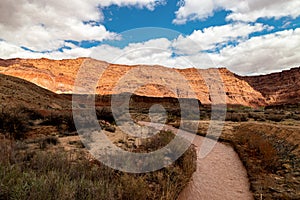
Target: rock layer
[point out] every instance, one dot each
(156, 81)
(278, 88)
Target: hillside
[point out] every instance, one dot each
(16, 92)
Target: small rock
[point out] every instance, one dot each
(111, 129)
(131, 139)
(286, 166)
(119, 145)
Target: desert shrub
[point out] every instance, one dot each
(55, 176)
(62, 121)
(188, 161)
(259, 147)
(105, 113)
(295, 116)
(69, 121)
(14, 122)
(266, 155)
(269, 155)
(171, 118)
(257, 116)
(237, 117)
(54, 119)
(32, 113)
(173, 115)
(159, 140)
(275, 117)
(244, 117)
(51, 140)
(136, 187)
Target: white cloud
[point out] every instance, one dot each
(149, 4)
(242, 10)
(263, 54)
(152, 52)
(44, 25)
(191, 10)
(210, 38)
(12, 51)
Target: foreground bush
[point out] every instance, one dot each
(13, 122)
(63, 121)
(259, 147)
(271, 161)
(44, 175)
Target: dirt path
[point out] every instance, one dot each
(220, 175)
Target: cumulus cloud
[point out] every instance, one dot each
(8, 50)
(241, 10)
(44, 25)
(213, 37)
(263, 54)
(149, 4)
(257, 55)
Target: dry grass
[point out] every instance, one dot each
(258, 146)
(49, 173)
(271, 160)
(54, 176)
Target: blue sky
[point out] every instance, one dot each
(124, 18)
(248, 37)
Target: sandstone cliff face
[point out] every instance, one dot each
(155, 81)
(278, 88)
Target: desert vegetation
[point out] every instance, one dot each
(41, 159)
(271, 159)
(56, 176)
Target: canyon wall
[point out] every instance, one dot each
(156, 81)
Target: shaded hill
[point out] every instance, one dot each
(16, 92)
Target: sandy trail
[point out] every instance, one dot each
(220, 175)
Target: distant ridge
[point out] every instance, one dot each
(59, 75)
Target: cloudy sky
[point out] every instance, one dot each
(246, 36)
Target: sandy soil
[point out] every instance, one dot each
(220, 175)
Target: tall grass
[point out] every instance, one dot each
(60, 175)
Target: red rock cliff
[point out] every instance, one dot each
(157, 81)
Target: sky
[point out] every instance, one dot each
(248, 37)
